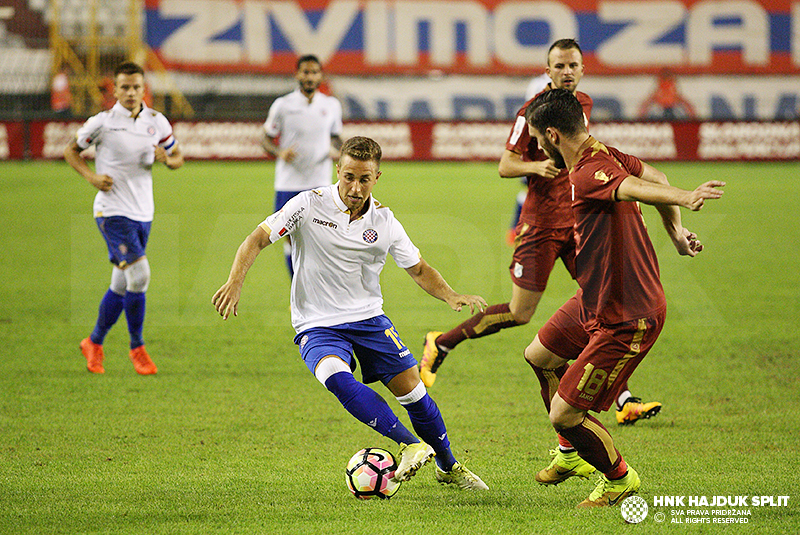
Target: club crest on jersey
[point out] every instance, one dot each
(602, 177)
(370, 235)
(151, 130)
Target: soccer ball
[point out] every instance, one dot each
(370, 473)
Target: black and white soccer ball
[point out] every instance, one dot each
(370, 474)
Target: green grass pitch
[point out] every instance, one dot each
(235, 436)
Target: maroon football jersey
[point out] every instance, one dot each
(547, 204)
(616, 264)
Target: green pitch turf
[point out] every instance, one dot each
(235, 436)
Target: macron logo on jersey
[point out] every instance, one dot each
(325, 223)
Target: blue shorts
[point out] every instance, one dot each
(282, 197)
(374, 342)
(126, 239)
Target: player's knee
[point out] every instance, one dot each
(536, 354)
(563, 415)
(328, 367)
(523, 311)
(137, 276)
(118, 284)
(523, 317)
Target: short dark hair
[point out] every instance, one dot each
(564, 44)
(128, 67)
(308, 57)
(557, 108)
(362, 148)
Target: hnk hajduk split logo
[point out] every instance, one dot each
(634, 509)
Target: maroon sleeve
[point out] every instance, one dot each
(631, 163)
(586, 103)
(519, 138)
(602, 174)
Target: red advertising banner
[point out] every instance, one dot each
(458, 140)
(371, 37)
(12, 140)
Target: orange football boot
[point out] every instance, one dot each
(141, 361)
(94, 355)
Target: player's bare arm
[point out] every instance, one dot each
(271, 147)
(513, 166)
(336, 145)
(226, 299)
(173, 160)
(635, 189)
(685, 242)
(72, 155)
(430, 280)
(666, 199)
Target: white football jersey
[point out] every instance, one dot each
(125, 151)
(338, 263)
(307, 128)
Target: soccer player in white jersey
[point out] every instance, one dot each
(341, 238)
(129, 138)
(303, 131)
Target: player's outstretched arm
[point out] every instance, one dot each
(636, 189)
(684, 241)
(432, 282)
(226, 299)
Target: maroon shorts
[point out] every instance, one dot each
(535, 253)
(563, 334)
(594, 380)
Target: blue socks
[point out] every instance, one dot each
(371, 409)
(368, 407)
(133, 303)
(110, 309)
(429, 425)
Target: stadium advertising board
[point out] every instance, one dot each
(616, 98)
(12, 142)
(454, 140)
(362, 37)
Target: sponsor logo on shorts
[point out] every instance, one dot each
(370, 235)
(325, 223)
(404, 353)
(518, 270)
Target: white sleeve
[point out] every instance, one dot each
(272, 126)
(336, 127)
(404, 252)
(288, 219)
(165, 137)
(91, 131)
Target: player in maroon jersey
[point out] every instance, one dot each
(543, 235)
(620, 305)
